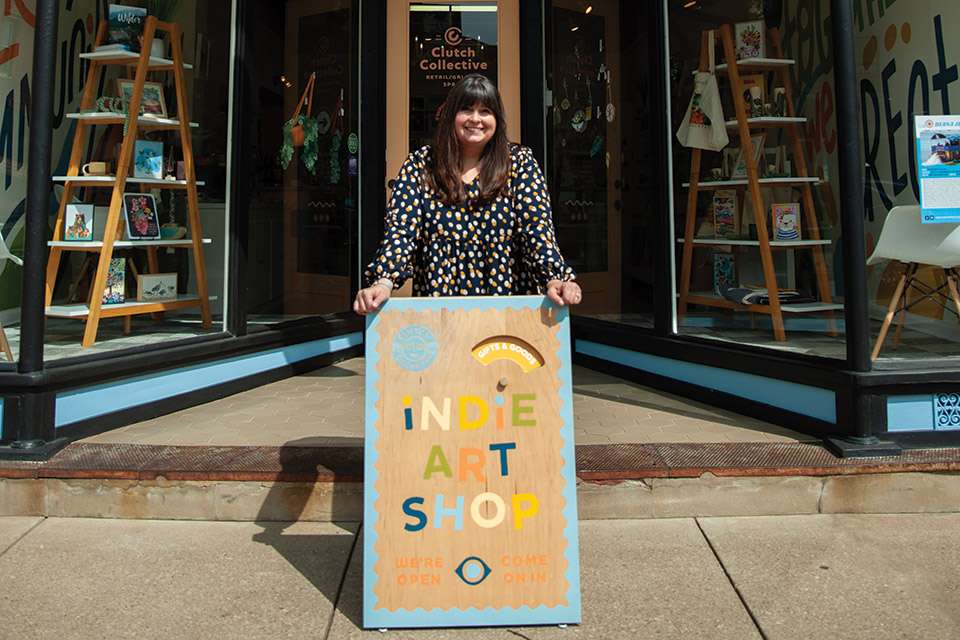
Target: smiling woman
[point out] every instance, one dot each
(470, 215)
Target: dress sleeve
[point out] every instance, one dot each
(396, 254)
(536, 239)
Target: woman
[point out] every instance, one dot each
(470, 215)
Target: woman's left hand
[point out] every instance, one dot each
(564, 292)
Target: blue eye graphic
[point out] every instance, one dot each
(473, 570)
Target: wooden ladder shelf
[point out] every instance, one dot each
(93, 311)
(800, 179)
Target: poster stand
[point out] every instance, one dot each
(469, 475)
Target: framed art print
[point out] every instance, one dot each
(151, 102)
(148, 159)
(153, 287)
(113, 293)
(786, 221)
(140, 215)
(749, 39)
(78, 222)
(724, 214)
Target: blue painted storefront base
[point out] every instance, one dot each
(929, 412)
(89, 402)
(801, 399)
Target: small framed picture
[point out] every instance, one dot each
(724, 214)
(740, 170)
(786, 221)
(78, 222)
(113, 293)
(140, 215)
(724, 272)
(152, 287)
(750, 39)
(148, 159)
(151, 102)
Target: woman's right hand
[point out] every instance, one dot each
(371, 298)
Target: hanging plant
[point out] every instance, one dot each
(310, 150)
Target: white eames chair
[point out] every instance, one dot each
(904, 237)
(6, 255)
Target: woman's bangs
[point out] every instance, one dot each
(473, 93)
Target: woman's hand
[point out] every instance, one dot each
(564, 292)
(371, 298)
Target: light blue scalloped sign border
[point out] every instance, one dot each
(472, 616)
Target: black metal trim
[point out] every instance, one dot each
(532, 109)
(101, 424)
(197, 352)
(850, 191)
(32, 314)
(659, 124)
(238, 232)
(924, 439)
(373, 116)
(804, 424)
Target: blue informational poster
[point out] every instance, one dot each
(470, 504)
(938, 167)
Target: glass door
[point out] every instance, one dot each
(583, 138)
(431, 45)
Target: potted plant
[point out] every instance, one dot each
(164, 11)
(310, 148)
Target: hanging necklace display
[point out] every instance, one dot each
(565, 103)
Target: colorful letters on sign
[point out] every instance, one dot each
(470, 491)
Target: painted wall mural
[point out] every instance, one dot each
(77, 30)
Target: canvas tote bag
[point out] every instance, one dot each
(703, 126)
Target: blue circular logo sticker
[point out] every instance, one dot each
(414, 348)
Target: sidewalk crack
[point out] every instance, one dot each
(726, 572)
(24, 535)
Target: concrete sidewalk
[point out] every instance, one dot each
(819, 576)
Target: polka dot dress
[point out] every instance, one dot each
(506, 247)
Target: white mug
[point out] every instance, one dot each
(96, 169)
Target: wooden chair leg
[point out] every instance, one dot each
(5, 344)
(903, 312)
(891, 310)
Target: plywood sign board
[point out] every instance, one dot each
(470, 491)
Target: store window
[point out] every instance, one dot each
(599, 143)
(757, 225)
(301, 215)
(154, 259)
(908, 67)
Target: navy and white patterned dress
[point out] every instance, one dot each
(506, 247)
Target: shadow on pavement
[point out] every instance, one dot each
(299, 491)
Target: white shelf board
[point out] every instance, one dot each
(722, 184)
(756, 243)
(109, 115)
(799, 307)
(760, 63)
(129, 57)
(768, 121)
(82, 309)
(101, 181)
(124, 244)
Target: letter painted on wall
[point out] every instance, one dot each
(470, 488)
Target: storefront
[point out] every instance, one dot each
(664, 237)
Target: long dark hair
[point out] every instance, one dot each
(443, 174)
